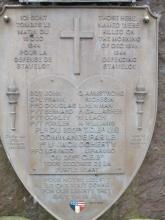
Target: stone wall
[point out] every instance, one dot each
(145, 197)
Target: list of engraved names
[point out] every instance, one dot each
(77, 130)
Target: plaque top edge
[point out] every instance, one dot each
(78, 1)
(130, 7)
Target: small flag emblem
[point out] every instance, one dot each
(77, 206)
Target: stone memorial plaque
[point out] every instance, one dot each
(78, 102)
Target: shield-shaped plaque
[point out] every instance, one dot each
(78, 102)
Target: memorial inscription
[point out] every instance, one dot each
(78, 130)
(78, 117)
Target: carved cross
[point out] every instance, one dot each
(77, 35)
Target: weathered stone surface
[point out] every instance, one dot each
(12, 218)
(142, 219)
(146, 195)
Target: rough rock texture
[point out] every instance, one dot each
(145, 197)
(13, 218)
